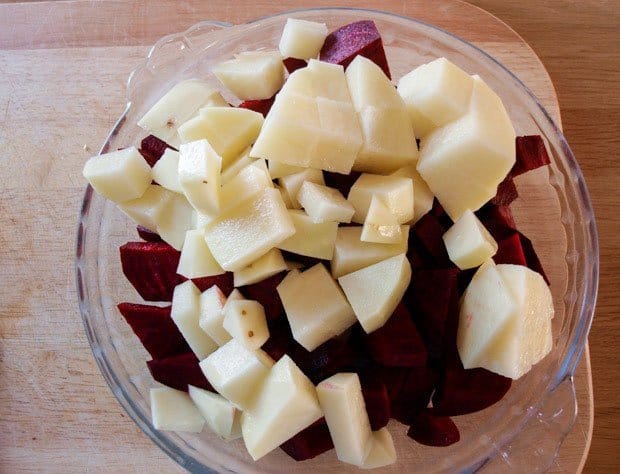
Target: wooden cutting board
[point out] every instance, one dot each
(63, 67)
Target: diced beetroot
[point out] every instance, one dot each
(439, 212)
(155, 329)
(341, 182)
(430, 299)
(362, 37)
(280, 338)
(506, 192)
(376, 399)
(428, 232)
(148, 235)
(265, 293)
(309, 443)
(179, 371)
(413, 394)
(461, 391)
(398, 342)
(262, 106)
(292, 64)
(531, 257)
(432, 430)
(498, 220)
(225, 282)
(152, 148)
(304, 260)
(509, 250)
(531, 154)
(464, 278)
(151, 267)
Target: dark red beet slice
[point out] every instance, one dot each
(265, 293)
(506, 192)
(310, 442)
(304, 260)
(430, 298)
(148, 235)
(225, 282)
(413, 394)
(152, 148)
(280, 338)
(461, 391)
(151, 267)
(292, 64)
(341, 182)
(531, 257)
(376, 399)
(531, 154)
(431, 430)
(509, 250)
(155, 329)
(498, 221)
(439, 212)
(262, 106)
(362, 37)
(398, 342)
(464, 277)
(428, 232)
(179, 371)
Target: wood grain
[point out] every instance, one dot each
(56, 413)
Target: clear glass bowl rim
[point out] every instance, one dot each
(575, 345)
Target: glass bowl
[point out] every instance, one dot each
(525, 429)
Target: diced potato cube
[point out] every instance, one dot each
(235, 166)
(311, 239)
(292, 183)
(249, 182)
(277, 169)
(422, 195)
(352, 254)
(119, 176)
(166, 171)
(381, 225)
(435, 93)
(252, 76)
(395, 191)
(221, 415)
(173, 410)
(286, 405)
(370, 87)
(211, 320)
(196, 259)
(302, 39)
(268, 265)
(177, 216)
(245, 321)
(324, 204)
(147, 209)
(186, 315)
(237, 373)
(249, 230)
(382, 453)
(199, 176)
(375, 291)
(468, 242)
(315, 306)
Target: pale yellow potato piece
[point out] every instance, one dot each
(312, 239)
(173, 410)
(468, 242)
(302, 39)
(396, 193)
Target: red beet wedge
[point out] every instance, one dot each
(151, 267)
(225, 282)
(398, 342)
(428, 232)
(498, 220)
(155, 329)
(506, 192)
(280, 338)
(341, 182)
(265, 293)
(413, 394)
(292, 64)
(509, 250)
(531, 154)
(179, 371)
(431, 430)
(148, 235)
(152, 148)
(309, 443)
(262, 106)
(376, 399)
(362, 37)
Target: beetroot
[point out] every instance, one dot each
(509, 250)
(498, 221)
(152, 149)
(304, 260)
(506, 192)
(280, 338)
(432, 430)
(413, 393)
(376, 399)
(265, 293)
(155, 329)
(397, 343)
(225, 282)
(179, 371)
(151, 267)
(428, 233)
(361, 37)
(262, 106)
(148, 235)
(341, 182)
(292, 64)
(310, 442)
(531, 154)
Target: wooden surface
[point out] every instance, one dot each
(63, 67)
